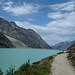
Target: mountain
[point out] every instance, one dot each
(72, 47)
(63, 45)
(17, 43)
(5, 42)
(28, 36)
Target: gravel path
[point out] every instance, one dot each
(62, 66)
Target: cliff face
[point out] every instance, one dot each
(28, 36)
(4, 42)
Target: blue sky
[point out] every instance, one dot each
(54, 20)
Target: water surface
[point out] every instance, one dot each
(17, 57)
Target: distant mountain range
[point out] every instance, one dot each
(26, 36)
(63, 45)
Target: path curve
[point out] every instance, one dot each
(62, 66)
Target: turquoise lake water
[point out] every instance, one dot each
(17, 57)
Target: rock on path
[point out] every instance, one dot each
(62, 66)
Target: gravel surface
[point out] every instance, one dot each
(62, 66)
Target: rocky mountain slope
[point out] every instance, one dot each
(17, 43)
(4, 42)
(63, 45)
(72, 47)
(28, 36)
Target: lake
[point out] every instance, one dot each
(17, 57)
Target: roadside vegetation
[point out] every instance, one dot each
(42, 67)
(61, 52)
(71, 56)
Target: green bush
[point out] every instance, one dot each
(25, 66)
(11, 70)
(51, 57)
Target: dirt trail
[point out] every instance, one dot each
(62, 66)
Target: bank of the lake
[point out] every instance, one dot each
(17, 57)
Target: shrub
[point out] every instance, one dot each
(1, 73)
(11, 70)
(25, 66)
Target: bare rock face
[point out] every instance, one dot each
(28, 36)
(17, 43)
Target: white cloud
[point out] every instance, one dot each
(64, 26)
(20, 9)
(54, 30)
(31, 19)
(60, 29)
(0, 3)
(27, 25)
(69, 6)
(55, 15)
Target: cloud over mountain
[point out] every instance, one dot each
(62, 26)
(58, 19)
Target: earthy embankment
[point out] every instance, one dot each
(62, 66)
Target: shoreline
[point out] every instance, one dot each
(34, 48)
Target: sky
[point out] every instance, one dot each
(53, 20)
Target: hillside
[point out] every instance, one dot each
(72, 47)
(17, 43)
(4, 42)
(28, 36)
(63, 45)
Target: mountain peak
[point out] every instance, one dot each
(1, 18)
(28, 36)
(13, 24)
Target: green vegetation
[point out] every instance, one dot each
(42, 68)
(71, 55)
(11, 70)
(61, 52)
(1, 73)
(72, 60)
